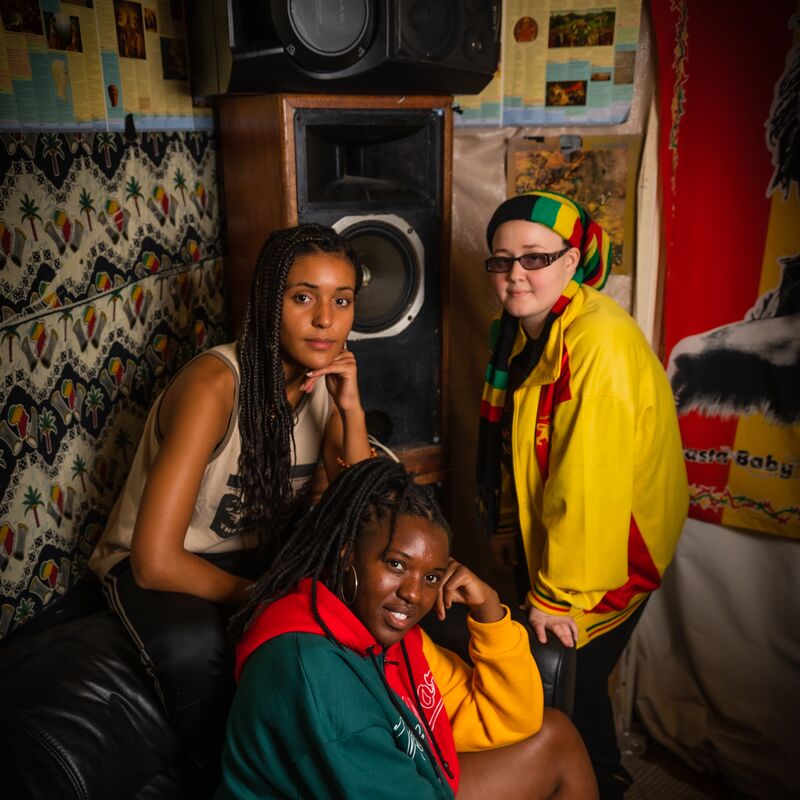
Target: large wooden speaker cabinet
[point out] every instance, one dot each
(378, 169)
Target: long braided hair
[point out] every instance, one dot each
(266, 422)
(320, 546)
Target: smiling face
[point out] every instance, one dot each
(317, 312)
(525, 294)
(398, 585)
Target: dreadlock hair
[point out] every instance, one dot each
(320, 546)
(266, 421)
(783, 124)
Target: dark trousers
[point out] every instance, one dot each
(182, 643)
(593, 714)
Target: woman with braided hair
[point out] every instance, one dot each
(580, 465)
(341, 694)
(225, 453)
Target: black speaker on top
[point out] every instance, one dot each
(376, 176)
(363, 46)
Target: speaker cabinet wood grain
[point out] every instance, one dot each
(366, 165)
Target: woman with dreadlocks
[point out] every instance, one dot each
(225, 452)
(580, 463)
(342, 695)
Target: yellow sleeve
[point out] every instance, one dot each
(497, 702)
(586, 505)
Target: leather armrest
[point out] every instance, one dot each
(556, 663)
(78, 715)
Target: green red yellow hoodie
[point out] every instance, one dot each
(313, 717)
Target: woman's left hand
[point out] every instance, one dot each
(461, 585)
(341, 376)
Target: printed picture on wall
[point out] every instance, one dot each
(21, 16)
(63, 32)
(582, 29)
(526, 29)
(173, 59)
(748, 366)
(566, 93)
(67, 72)
(599, 174)
(130, 29)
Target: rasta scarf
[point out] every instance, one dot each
(570, 221)
(576, 227)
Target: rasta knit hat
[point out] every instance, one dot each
(570, 221)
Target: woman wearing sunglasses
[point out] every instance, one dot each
(580, 466)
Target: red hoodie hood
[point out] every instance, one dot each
(293, 613)
(412, 681)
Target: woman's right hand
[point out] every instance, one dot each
(341, 377)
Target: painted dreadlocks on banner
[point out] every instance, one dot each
(730, 157)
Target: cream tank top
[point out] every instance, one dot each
(213, 527)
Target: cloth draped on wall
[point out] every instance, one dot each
(111, 278)
(715, 659)
(731, 182)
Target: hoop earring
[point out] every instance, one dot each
(355, 589)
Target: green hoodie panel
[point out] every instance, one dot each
(311, 720)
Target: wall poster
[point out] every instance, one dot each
(563, 62)
(731, 187)
(86, 64)
(599, 172)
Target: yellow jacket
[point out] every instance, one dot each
(598, 466)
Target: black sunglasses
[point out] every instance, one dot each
(528, 261)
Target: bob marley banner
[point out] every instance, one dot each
(729, 82)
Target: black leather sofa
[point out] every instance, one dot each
(79, 718)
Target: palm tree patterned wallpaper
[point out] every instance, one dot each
(110, 279)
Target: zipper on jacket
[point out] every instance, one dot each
(378, 660)
(422, 714)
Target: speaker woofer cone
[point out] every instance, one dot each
(320, 35)
(392, 256)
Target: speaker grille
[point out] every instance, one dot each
(427, 27)
(452, 33)
(363, 46)
(326, 28)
